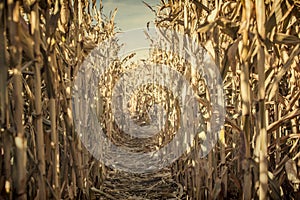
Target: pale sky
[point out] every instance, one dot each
(131, 14)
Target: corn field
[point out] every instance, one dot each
(255, 45)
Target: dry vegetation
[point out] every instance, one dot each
(42, 46)
(256, 45)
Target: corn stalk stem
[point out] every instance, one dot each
(16, 62)
(35, 31)
(4, 101)
(3, 65)
(263, 155)
(55, 150)
(245, 97)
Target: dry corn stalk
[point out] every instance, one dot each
(246, 39)
(255, 44)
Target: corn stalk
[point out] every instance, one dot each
(35, 31)
(263, 140)
(16, 61)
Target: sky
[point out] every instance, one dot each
(131, 14)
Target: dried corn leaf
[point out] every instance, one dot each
(292, 175)
(281, 38)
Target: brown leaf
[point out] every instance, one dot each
(206, 27)
(201, 6)
(281, 38)
(217, 189)
(231, 55)
(291, 171)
